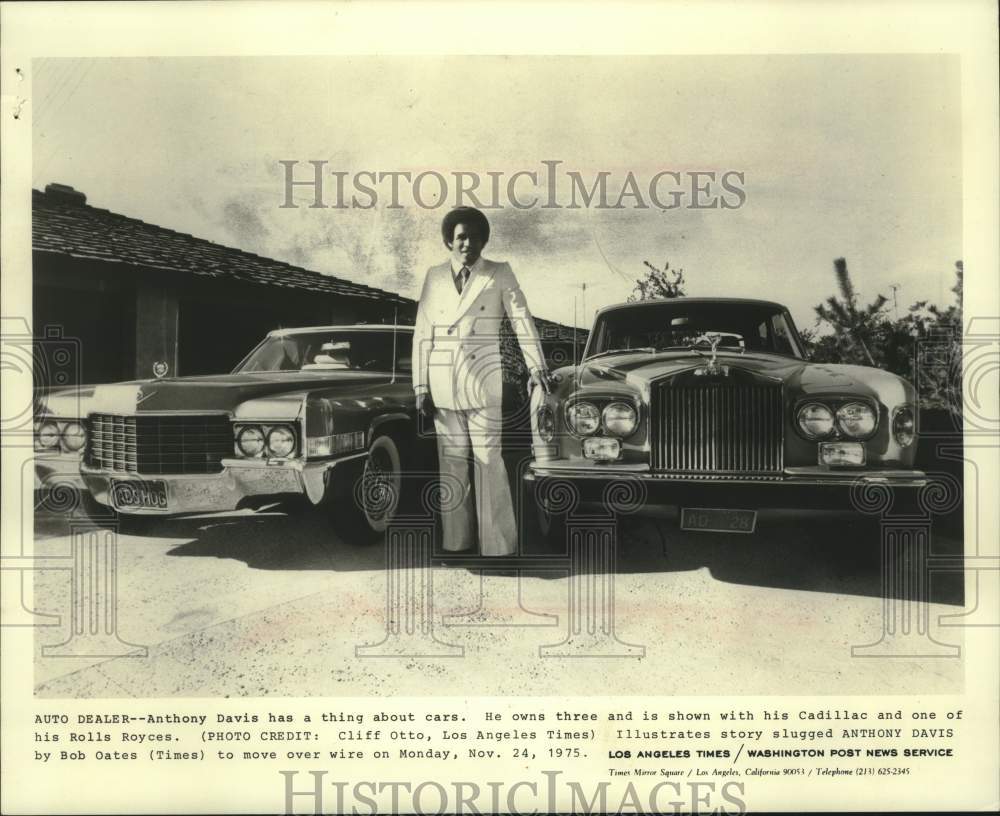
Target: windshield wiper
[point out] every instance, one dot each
(648, 349)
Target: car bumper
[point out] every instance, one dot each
(805, 487)
(57, 469)
(236, 485)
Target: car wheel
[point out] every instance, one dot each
(366, 503)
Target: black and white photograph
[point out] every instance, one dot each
(543, 430)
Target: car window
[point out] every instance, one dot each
(368, 350)
(680, 325)
(781, 336)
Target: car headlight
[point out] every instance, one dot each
(620, 419)
(904, 427)
(280, 441)
(815, 420)
(250, 440)
(73, 436)
(583, 418)
(546, 423)
(856, 419)
(47, 435)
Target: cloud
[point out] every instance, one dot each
(241, 220)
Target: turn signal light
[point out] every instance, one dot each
(842, 454)
(602, 449)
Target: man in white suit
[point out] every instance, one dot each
(458, 379)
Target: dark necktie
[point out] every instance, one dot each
(462, 278)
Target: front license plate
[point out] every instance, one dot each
(715, 520)
(130, 495)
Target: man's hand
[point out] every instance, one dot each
(541, 378)
(425, 405)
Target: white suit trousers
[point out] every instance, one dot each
(476, 431)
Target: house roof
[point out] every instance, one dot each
(63, 223)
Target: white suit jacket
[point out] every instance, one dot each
(456, 340)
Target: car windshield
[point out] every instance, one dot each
(678, 324)
(331, 350)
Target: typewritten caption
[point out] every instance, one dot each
(644, 741)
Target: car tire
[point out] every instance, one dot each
(365, 501)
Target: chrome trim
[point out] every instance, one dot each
(718, 430)
(117, 443)
(716, 477)
(290, 464)
(811, 476)
(162, 413)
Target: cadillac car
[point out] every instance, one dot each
(712, 405)
(323, 415)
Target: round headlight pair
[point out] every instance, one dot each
(619, 418)
(251, 441)
(70, 435)
(855, 420)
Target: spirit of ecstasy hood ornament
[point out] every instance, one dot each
(712, 368)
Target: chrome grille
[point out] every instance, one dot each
(720, 430)
(155, 445)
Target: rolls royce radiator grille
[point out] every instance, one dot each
(717, 430)
(155, 445)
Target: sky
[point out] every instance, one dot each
(842, 156)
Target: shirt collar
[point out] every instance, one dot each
(456, 267)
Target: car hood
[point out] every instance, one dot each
(642, 368)
(211, 393)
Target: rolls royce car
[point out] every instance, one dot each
(310, 413)
(711, 405)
